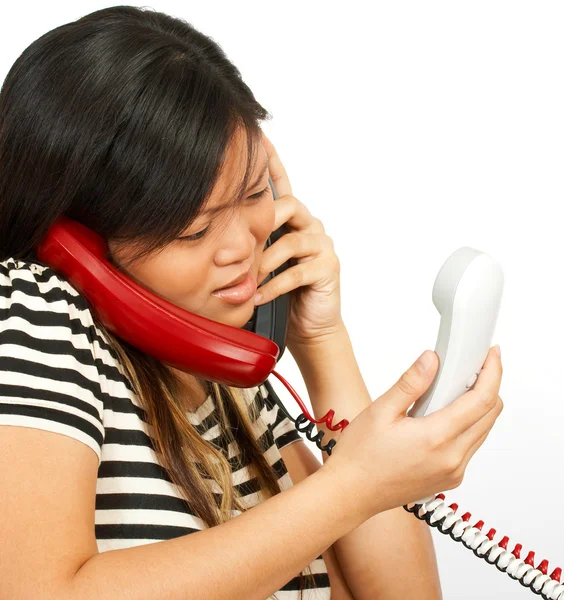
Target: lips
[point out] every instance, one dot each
(235, 281)
(240, 293)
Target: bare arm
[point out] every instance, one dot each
(301, 463)
(49, 484)
(372, 555)
(250, 556)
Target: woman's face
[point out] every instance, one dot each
(186, 272)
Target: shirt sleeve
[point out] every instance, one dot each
(283, 429)
(48, 374)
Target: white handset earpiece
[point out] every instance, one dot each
(467, 293)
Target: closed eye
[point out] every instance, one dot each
(261, 193)
(200, 234)
(195, 236)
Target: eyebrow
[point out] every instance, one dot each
(217, 209)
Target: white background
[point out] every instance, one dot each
(412, 129)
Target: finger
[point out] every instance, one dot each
(292, 278)
(290, 210)
(473, 449)
(409, 387)
(468, 409)
(469, 438)
(482, 430)
(290, 245)
(276, 169)
(490, 379)
(470, 454)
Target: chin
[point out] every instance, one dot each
(246, 315)
(236, 315)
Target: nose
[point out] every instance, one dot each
(238, 243)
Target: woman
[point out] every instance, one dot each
(137, 125)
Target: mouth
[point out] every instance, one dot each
(242, 291)
(235, 282)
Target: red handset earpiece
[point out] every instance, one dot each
(186, 341)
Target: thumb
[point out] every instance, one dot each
(412, 384)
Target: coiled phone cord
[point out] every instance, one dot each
(435, 513)
(305, 416)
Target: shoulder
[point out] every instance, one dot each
(41, 289)
(50, 355)
(43, 312)
(33, 290)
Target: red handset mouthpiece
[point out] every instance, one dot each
(189, 342)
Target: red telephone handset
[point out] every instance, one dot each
(189, 342)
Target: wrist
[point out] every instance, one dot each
(321, 347)
(342, 486)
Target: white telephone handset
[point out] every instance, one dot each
(467, 293)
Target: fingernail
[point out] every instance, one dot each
(497, 350)
(425, 361)
(258, 298)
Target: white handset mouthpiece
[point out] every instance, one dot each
(467, 293)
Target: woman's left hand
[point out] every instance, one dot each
(316, 303)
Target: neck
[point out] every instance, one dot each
(193, 393)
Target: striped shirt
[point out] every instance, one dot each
(59, 374)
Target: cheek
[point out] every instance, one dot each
(172, 276)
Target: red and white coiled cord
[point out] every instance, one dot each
(435, 513)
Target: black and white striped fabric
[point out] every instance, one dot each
(58, 373)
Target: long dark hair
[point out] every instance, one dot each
(121, 120)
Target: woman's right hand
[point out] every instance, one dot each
(384, 459)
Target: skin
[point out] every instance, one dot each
(186, 272)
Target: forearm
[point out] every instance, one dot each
(402, 564)
(250, 556)
(391, 542)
